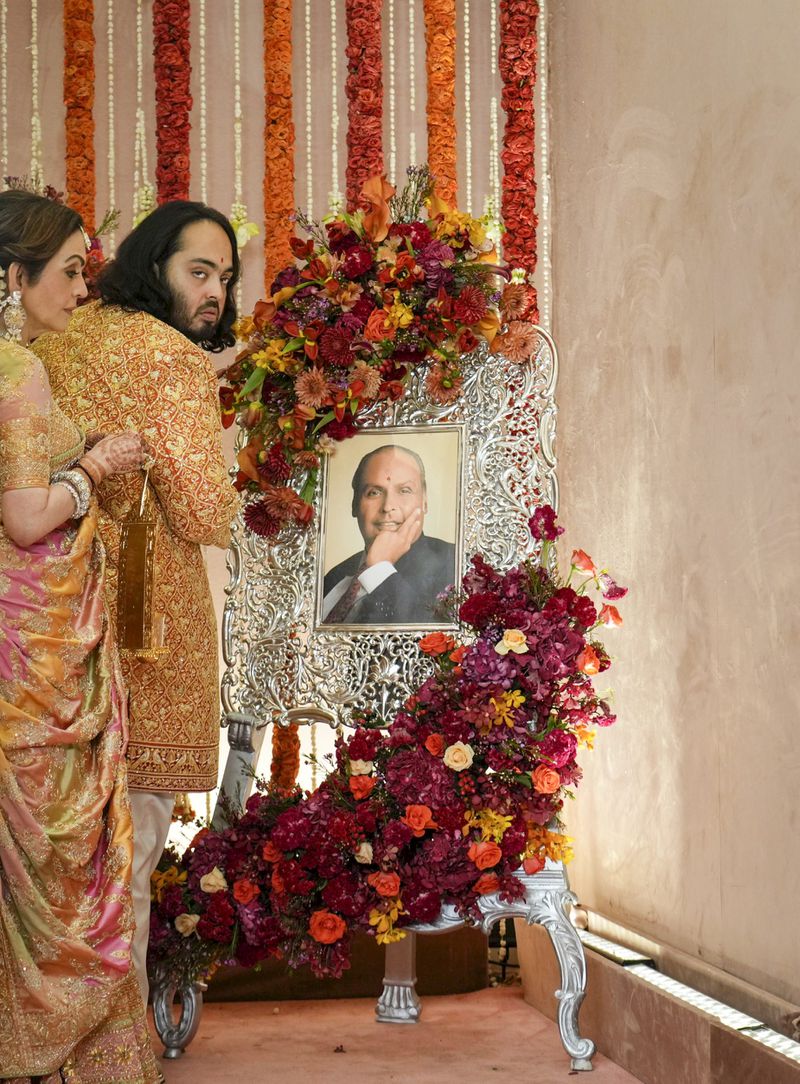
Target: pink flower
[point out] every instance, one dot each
(610, 589)
(610, 617)
(517, 343)
(311, 388)
(442, 385)
(583, 563)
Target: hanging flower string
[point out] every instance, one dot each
(364, 88)
(243, 228)
(518, 72)
(172, 67)
(144, 196)
(79, 99)
(440, 63)
(279, 140)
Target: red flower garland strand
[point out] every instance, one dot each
(279, 141)
(517, 64)
(440, 63)
(364, 89)
(79, 102)
(173, 70)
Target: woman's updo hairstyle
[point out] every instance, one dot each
(32, 230)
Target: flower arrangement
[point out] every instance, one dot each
(370, 296)
(466, 785)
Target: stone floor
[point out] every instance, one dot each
(471, 1038)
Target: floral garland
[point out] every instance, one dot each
(440, 62)
(79, 79)
(517, 64)
(173, 70)
(467, 784)
(279, 141)
(369, 297)
(364, 89)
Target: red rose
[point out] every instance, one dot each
(326, 927)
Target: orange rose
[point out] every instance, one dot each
(385, 884)
(588, 661)
(545, 780)
(457, 656)
(418, 818)
(434, 743)
(436, 643)
(484, 854)
(244, 891)
(486, 884)
(326, 927)
(270, 853)
(378, 327)
(361, 786)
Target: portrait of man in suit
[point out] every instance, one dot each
(399, 571)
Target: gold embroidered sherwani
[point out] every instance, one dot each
(116, 370)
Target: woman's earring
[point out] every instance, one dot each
(13, 315)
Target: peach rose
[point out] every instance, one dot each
(418, 818)
(213, 881)
(185, 924)
(363, 853)
(459, 756)
(434, 743)
(385, 884)
(326, 927)
(533, 864)
(545, 780)
(361, 767)
(513, 640)
(486, 884)
(361, 786)
(484, 854)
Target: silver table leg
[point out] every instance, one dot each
(399, 1004)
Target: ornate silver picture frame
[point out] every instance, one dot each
(280, 659)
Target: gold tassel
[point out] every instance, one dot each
(140, 632)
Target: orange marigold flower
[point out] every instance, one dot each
(436, 643)
(326, 927)
(485, 854)
(385, 884)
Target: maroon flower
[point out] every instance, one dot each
(357, 261)
(543, 524)
(260, 521)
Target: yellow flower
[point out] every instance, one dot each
(557, 846)
(384, 922)
(504, 705)
(271, 356)
(585, 736)
(491, 825)
(399, 315)
(162, 879)
(513, 640)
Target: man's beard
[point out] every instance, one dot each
(181, 318)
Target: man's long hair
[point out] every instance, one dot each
(136, 278)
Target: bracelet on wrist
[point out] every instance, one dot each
(78, 488)
(89, 467)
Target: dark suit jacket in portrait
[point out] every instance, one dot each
(408, 596)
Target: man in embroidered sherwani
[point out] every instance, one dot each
(135, 360)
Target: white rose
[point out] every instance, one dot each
(361, 767)
(185, 924)
(459, 756)
(513, 640)
(363, 853)
(213, 881)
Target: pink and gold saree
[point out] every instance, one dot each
(69, 1004)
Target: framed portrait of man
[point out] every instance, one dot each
(390, 533)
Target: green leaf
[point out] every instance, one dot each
(293, 344)
(323, 421)
(255, 380)
(524, 780)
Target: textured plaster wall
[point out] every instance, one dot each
(676, 227)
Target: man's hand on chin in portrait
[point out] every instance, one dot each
(394, 539)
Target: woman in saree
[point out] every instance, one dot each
(70, 1008)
